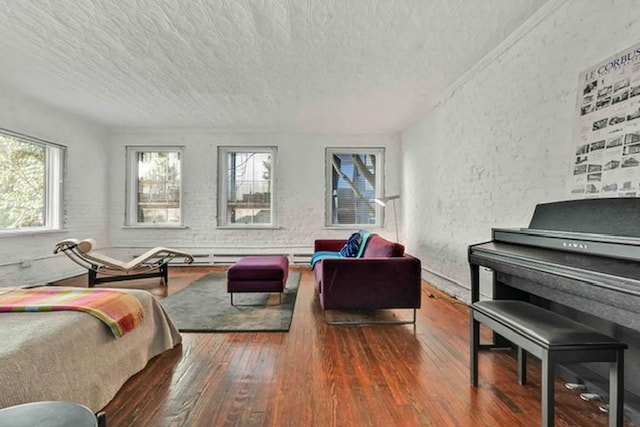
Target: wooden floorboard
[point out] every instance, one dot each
(321, 375)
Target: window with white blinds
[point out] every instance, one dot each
(354, 178)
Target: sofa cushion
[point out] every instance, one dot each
(259, 267)
(380, 247)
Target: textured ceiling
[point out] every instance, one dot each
(318, 66)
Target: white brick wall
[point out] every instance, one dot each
(95, 192)
(494, 147)
(501, 141)
(85, 192)
(299, 190)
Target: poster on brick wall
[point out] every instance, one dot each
(606, 159)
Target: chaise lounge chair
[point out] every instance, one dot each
(153, 263)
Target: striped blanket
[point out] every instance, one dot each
(118, 310)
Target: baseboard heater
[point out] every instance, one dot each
(206, 259)
(230, 258)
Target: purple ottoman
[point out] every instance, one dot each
(265, 273)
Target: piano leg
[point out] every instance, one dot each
(616, 391)
(546, 389)
(475, 347)
(475, 282)
(501, 290)
(522, 366)
(499, 342)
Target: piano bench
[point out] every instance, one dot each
(553, 339)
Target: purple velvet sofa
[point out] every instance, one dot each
(384, 277)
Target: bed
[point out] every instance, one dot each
(70, 355)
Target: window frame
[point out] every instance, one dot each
(223, 152)
(54, 173)
(379, 190)
(131, 209)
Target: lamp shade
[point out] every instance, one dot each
(382, 201)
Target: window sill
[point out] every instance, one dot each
(248, 227)
(154, 227)
(23, 232)
(367, 227)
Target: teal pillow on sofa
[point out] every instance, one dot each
(365, 239)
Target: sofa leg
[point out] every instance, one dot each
(380, 322)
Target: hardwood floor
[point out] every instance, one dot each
(320, 375)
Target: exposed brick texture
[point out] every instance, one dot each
(86, 192)
(496, 145)
(95, 193)
(501, 142)
(299, 189)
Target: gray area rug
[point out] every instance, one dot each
(204, 306)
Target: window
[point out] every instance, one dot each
(154, 186)
(31, 172)
(354, 179)
(246, 186)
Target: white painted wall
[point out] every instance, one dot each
(494, 147)
(85, 191)
(501, 141)
(95, 192)
(300, 186)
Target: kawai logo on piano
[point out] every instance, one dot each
(574, 245)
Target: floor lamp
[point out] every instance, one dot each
(382, 201)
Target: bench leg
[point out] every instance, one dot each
(522, 366)
(547, 389)
(616, 391)
(475, 345)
